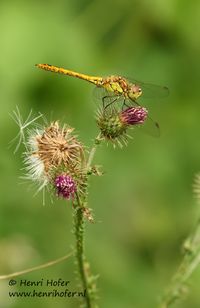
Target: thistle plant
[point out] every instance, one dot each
(179, 286)
(114, 123)
(57, 161)
(54, 159)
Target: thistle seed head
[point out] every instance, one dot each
(57, 146)
(52, 152)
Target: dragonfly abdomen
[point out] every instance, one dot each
(55, 69)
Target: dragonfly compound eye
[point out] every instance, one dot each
(135, 91)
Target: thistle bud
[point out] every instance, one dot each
(114, 123)
(110, 124)
(65, 186)
(133, 115)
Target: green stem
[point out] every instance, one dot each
(79, 204)
(79, 233)
(189, 263)
(97, 141)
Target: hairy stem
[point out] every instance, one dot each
(79, 233)
(191, 260)
(83, 267)
(97, 141)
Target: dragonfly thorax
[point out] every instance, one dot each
(116, 84)
(120, 86)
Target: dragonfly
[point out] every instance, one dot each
(115, 88)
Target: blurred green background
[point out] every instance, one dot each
(143, 205)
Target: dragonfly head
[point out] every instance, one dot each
(135, 91)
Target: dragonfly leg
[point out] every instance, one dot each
(125, 104)
(103, 100)
(106, 106)
(135, 102)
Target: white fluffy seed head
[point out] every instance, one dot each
(49, 151)
(34, 167)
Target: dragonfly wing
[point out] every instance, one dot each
(149, 126)
(107, 97)
(151, 90)
(99, 93)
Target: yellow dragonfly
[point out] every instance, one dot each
(115, 88)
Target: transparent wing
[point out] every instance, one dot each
(150, 90)
(107, 98)
(110, 100)
(151, 127)
(99, 93)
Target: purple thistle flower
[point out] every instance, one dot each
(66, 186)
(134, 115)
